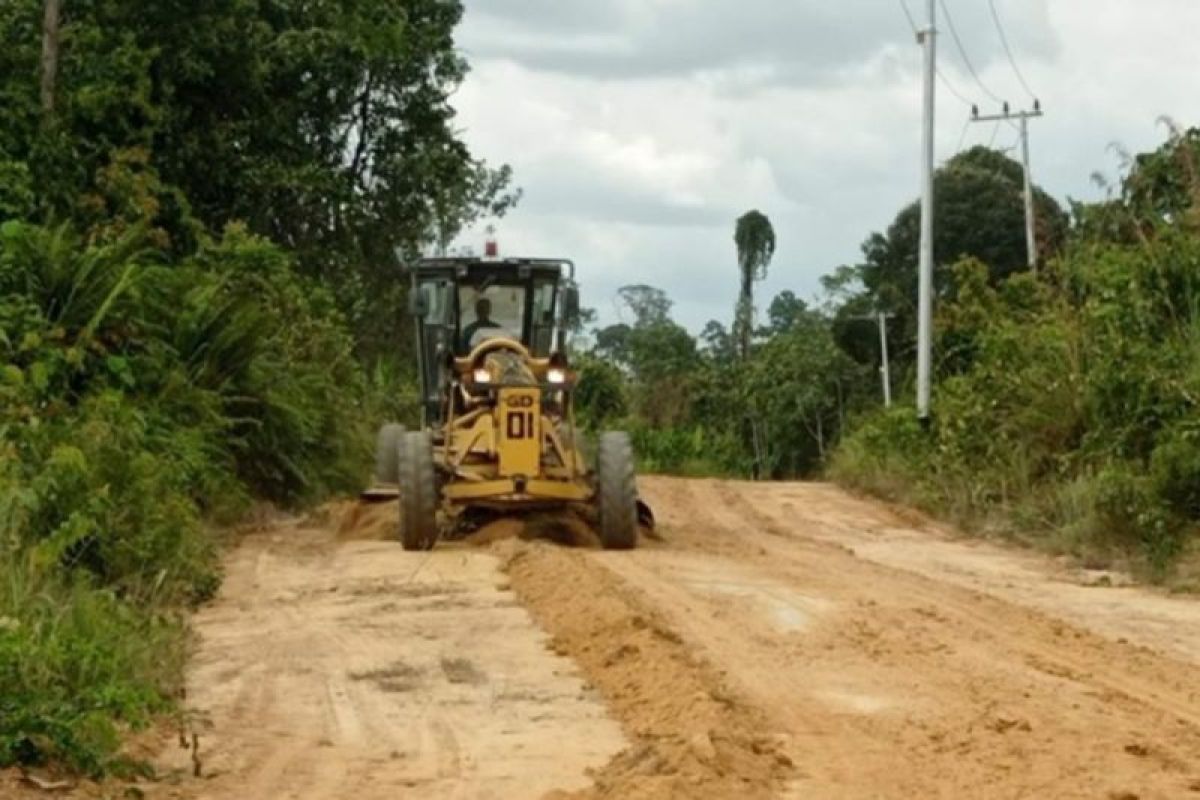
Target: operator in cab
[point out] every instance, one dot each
(483, 327)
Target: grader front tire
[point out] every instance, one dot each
(418, 491)
(616, 492)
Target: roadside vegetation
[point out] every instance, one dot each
(1066, 402)
(1066, 410)
(198, 312)
(771, 394)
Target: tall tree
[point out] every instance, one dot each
(980, 213)
(650, 305)
(755, 240)
(324, 126)
(658, 354)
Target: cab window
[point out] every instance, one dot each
(489, 312)
(544, 293)
(436, 331)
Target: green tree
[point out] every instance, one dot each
(1164, 185)
(755, 240)
(794, 389)
(612, 344)
(979, 211)
(326, 127)
(717, 344)
(1066, 413)
(785, 312)
(659, 354)
(195, 198)
(650, 306)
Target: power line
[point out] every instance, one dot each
(962, 137)
(962, 51)
(950, 88)
(912, 23)
(1008, 50)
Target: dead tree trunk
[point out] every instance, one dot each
(50, 50)
(820, 437)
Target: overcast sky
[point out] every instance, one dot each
(640, 129)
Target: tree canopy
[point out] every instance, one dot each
(754, 237)
(979, 213)
(199, 204)
(323, 126)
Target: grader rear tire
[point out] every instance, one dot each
(418, 491)
(616, 492)
(387, 449)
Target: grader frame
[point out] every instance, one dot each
(498, 433)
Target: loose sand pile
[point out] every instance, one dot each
(564, 528)
(360, 520)
(692, 737)
(357, 520)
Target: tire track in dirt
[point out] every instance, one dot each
(905, 540)
(785, 640)
(1160, 681)
(927, 687)
(332, 669)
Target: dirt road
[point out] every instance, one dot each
(784, 640)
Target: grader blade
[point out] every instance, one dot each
(645, 515)
(379, 493)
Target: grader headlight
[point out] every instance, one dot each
(481, 375)
(556, 376)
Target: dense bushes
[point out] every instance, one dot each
(199, 217)
(139, 399)
(697, 407)
(1068, 406)
(74, 658)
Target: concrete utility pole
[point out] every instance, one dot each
(885, 370)
(1023, 118)
(925, 275)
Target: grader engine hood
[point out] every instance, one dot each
(506, 368)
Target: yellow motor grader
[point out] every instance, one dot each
(498, 434)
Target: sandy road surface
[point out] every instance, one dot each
(351, 669)
(785, 640)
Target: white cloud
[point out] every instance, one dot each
(640, 129)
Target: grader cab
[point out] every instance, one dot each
(498, 434)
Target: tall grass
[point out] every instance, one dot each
(79, 667)
(1075, 424)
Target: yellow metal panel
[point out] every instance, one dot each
(559, 490)
(476, 491)
(475, 436)
(519, 431)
